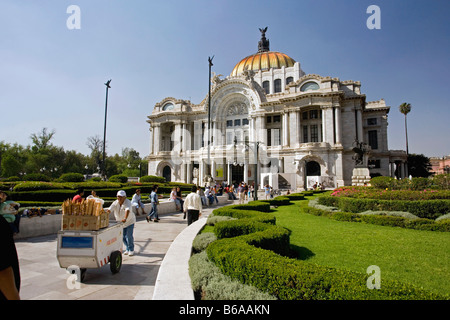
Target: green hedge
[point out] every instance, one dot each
(118, 178)
(290, 279)
(430, 209)
(71, 177)
(42, 195)
(383, 220)
(37, 185)
(152, 179)
(256, 256)
(441, 181)
(295, 196)
(278, 201)
(59, 192)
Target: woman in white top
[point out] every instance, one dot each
(123, 213)
(137, 203)
(173, 197)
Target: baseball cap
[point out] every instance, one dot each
(121, 193)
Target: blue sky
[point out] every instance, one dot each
(54, 77)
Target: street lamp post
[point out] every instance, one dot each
(209, 175)
(104, 130)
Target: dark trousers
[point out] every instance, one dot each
(192, 216)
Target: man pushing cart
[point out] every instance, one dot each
(88, 240)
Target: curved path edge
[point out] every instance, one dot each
(173, 281)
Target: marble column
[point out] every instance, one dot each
(188, 172)
(156, 138)
(285, 128)
(338, 125)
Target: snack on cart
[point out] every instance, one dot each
(85, 215)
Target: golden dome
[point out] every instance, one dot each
(263, 61)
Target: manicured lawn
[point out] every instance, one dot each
(418, 257)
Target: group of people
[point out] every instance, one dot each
(125, 210)
(318, 186)
(242, 191)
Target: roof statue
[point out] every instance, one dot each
(263, 44)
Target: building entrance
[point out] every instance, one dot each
(167, 173)
(237, 174)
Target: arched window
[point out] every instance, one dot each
(277, 85)
(168, 106)
(237, 124)
(167, 173)
(289, 80)
(309, 86)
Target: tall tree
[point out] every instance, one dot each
(42, 139)
(95, 144)
(419, 165)
(405, 108)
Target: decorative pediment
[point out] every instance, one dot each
(237, 109)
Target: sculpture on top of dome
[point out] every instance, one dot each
(263, 44)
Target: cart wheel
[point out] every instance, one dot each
(83, 274)
(115, 261)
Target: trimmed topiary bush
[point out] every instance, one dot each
(118, 178)
(430, 209)
(35, 186)
(384, 218)
(202, 240)
(152, 179)
(71, 177)
(209, 283)
(36, 177)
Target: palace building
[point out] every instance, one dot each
(268, 122)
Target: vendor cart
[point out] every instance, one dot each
(87, 249)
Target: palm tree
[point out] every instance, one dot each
(405, 108)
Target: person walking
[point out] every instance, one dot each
(193, 205)
(154, 210)
(240, 191)
(122, 210)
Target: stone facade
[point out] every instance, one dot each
(304, 127)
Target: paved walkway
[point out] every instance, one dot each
(42, 278)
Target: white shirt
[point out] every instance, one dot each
(193, 202)
(136, 199)
(120, 212)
